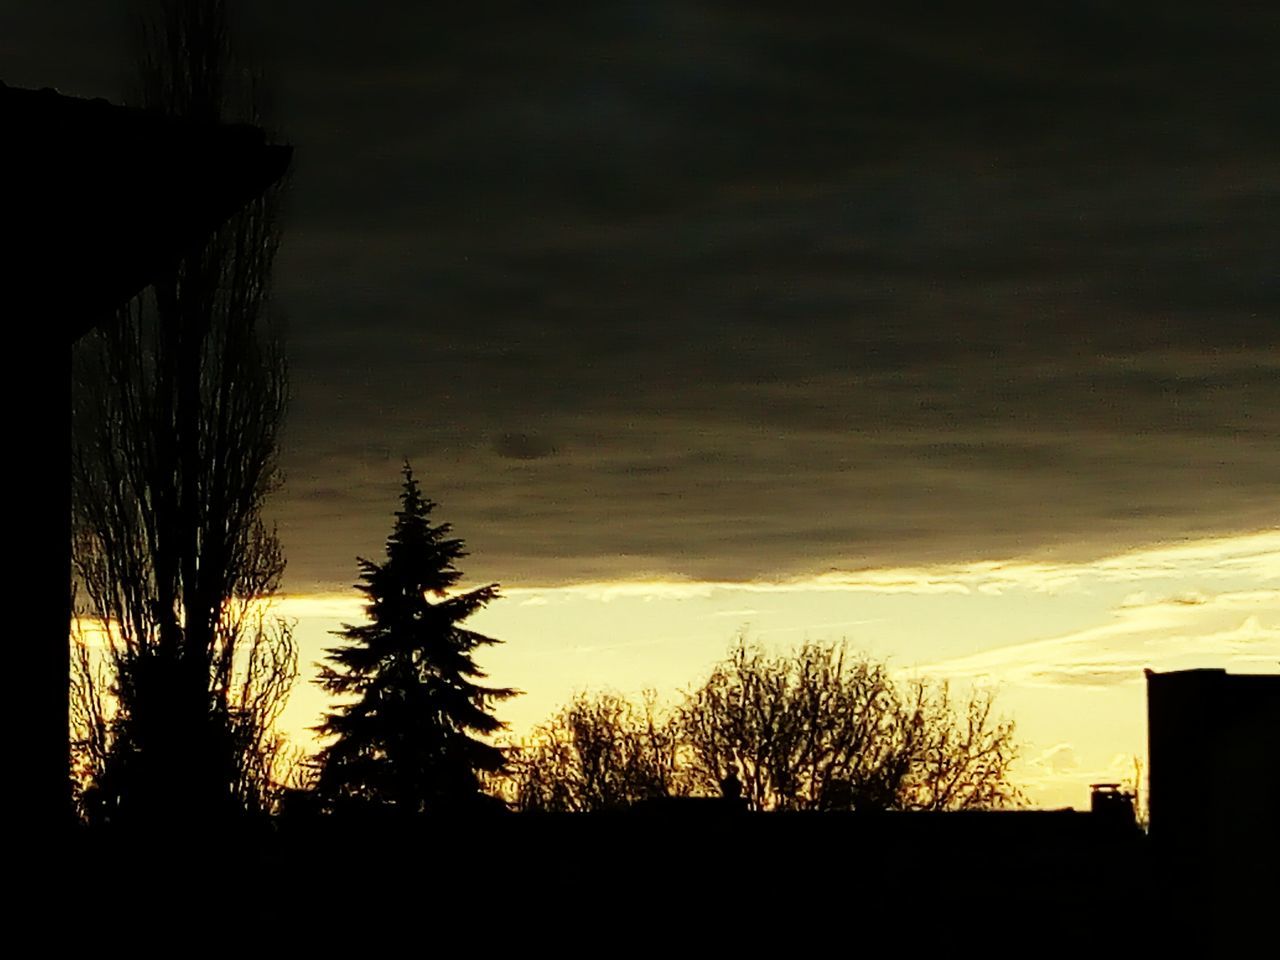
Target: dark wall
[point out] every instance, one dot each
(1214, 741)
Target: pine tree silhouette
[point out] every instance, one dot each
(408, 742)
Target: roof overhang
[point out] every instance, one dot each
(100, 199)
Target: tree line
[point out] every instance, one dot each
(180, 670)
(413, 733)
(818, 728)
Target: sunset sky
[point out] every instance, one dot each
(953, 331)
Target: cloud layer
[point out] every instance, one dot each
(1237, 630)
(716, 291)
(724, 294)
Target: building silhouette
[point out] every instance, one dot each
(99, 201)
(1214, 765)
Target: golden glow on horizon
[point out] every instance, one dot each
(1064, 642)
(1255, 555)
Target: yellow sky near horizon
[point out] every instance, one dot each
(1064, 643)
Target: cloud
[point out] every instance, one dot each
(1239, 628)
(700, 495)
(781, 292)
(769, 341)
(523, 446)
(346, 607)
(1191, 598)
(1087, 675)
(1248, 558)
(1059, 759)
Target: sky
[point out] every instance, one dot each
(951, 330)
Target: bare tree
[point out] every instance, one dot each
(815, 729)
(600, 752)
(178, 409)
(800, 731)
(1139, 788)
(820, 730)
(959, 752)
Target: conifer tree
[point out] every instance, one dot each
(410, 739)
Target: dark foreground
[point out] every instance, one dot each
(754, 879)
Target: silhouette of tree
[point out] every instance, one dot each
(600, 752)
(406, 743)
(178, 407)
(820, 730)
(959, 754)
(816, 729)
(1137, 786)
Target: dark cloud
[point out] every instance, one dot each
(1085, 676)
(523, 446)
(783, 291)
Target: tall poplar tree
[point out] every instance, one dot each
(410, 739)
(178, 408)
